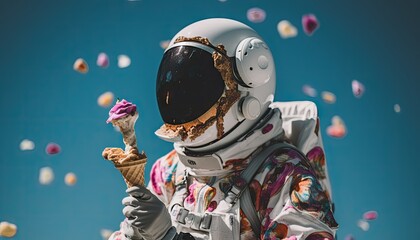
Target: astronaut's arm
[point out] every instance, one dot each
(306, 211)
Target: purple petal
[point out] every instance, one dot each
(358, 88)
(310, 23)
(370, 215)
(256, 15)
(103, 60)
(52, 148)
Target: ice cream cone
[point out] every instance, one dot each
(129, 161)
(130, 165)
(133, 172)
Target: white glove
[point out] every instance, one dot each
(129, 231)
(148, 214)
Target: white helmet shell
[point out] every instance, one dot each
(254, 69)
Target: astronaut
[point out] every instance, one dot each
(243, 166)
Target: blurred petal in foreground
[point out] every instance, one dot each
(80, 66)
(256, 15)
(310, 24)
(46, 175)
(27, 145)
(358, 88)
(70, 179)
(7, 229)
(106, 99)
(123, 61)
(286, 29)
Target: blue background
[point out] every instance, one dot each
(43, 99)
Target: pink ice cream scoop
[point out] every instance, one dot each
(121, 109)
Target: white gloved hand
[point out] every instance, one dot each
(148, 214)
(129, 231)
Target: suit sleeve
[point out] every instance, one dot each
(289, 200)
(301, 208)
(163, 176)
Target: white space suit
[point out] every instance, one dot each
(242, 167)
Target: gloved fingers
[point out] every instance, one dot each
(130, 231)
(130, 201)
(137, 222)
(151, 217)
(128, 212)
(132, 212)
(139, 192)
(135, 218)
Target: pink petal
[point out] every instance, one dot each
(52, 148)
(370, 215)
(349, 237)
(358, 88)
(310, 91)
(103, 60)
(310, 23)
(336, 131)
(256, 15)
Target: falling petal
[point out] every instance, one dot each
(123, 61)
(310, 24)
(106, 99)
(370, 215)
(46, 175)
(336, 120)
(286, 29)
(7, 229)
(362, 224)
(27, 145)
(292, 238)
(397, 108)
(358, 88)
(349, 237)
(103, 60)
(80, 65)
(337, 129)
(256, 15)
(310, 91)
(52, 148)
(164, 44)
(70, 179)
(328, 97)
(105, 234)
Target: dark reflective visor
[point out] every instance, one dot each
(187, 84)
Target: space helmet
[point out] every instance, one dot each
(215, 81)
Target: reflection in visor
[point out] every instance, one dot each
(187, 85)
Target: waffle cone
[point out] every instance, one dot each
(132, 172)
